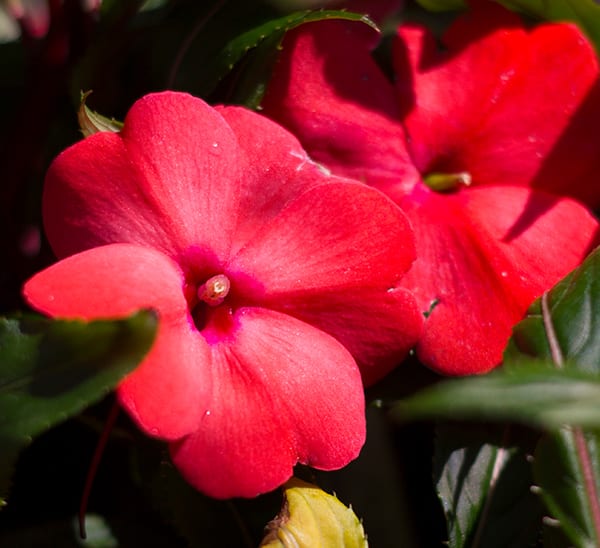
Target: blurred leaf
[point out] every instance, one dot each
(265, 39)
(377, 485)
(200, 520)
(310, 517)
(51, 370)
(99, 534)
(113, 9)
(9, 29)
(91, 122)
(530, 392)
(586, 13)
(566, 467)
(483, 482)
(443, 5)
(193, 515)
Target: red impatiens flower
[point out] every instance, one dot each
(480, 143)
(272, 281)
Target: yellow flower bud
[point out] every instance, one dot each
(311, 518)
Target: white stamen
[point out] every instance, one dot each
(214, 290)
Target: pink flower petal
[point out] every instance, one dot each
(169, 180)
(542, 236)
(506, 105)
(117, 280)
(318, 268)
(485, 254)
(283, 392)
(278, 168)
(329, 92)
(503, 107)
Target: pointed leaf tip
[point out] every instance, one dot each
(91, 122)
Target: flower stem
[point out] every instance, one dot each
(98, 452)
(581, 447)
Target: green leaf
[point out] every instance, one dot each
(482, 479)
(563, 327)
(567, 320)
(443, 5)
(586, 13)
(51, 370)
(529, 392)
(265, 39)
(99, 533)
(91, 122)
(566, 467)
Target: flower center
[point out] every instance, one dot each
(444, 182)
(214, 290)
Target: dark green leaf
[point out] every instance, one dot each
(530, 393)
(483, 481)
(443, 5)
(51, 370)
(194, 516)
(566, 468)
(563, 327)
(570, 323)
(266, 38)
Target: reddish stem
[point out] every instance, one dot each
(91, 475)
(581, 448)
(589, 480)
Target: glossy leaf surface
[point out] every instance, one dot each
(51, 370)
(482, 478)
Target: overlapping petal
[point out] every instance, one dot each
(495, 249)
(330, 93)
(168, 180)
(504, 105)
(498, 106)
(116, 280)
(318, 268)
(270, 408)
